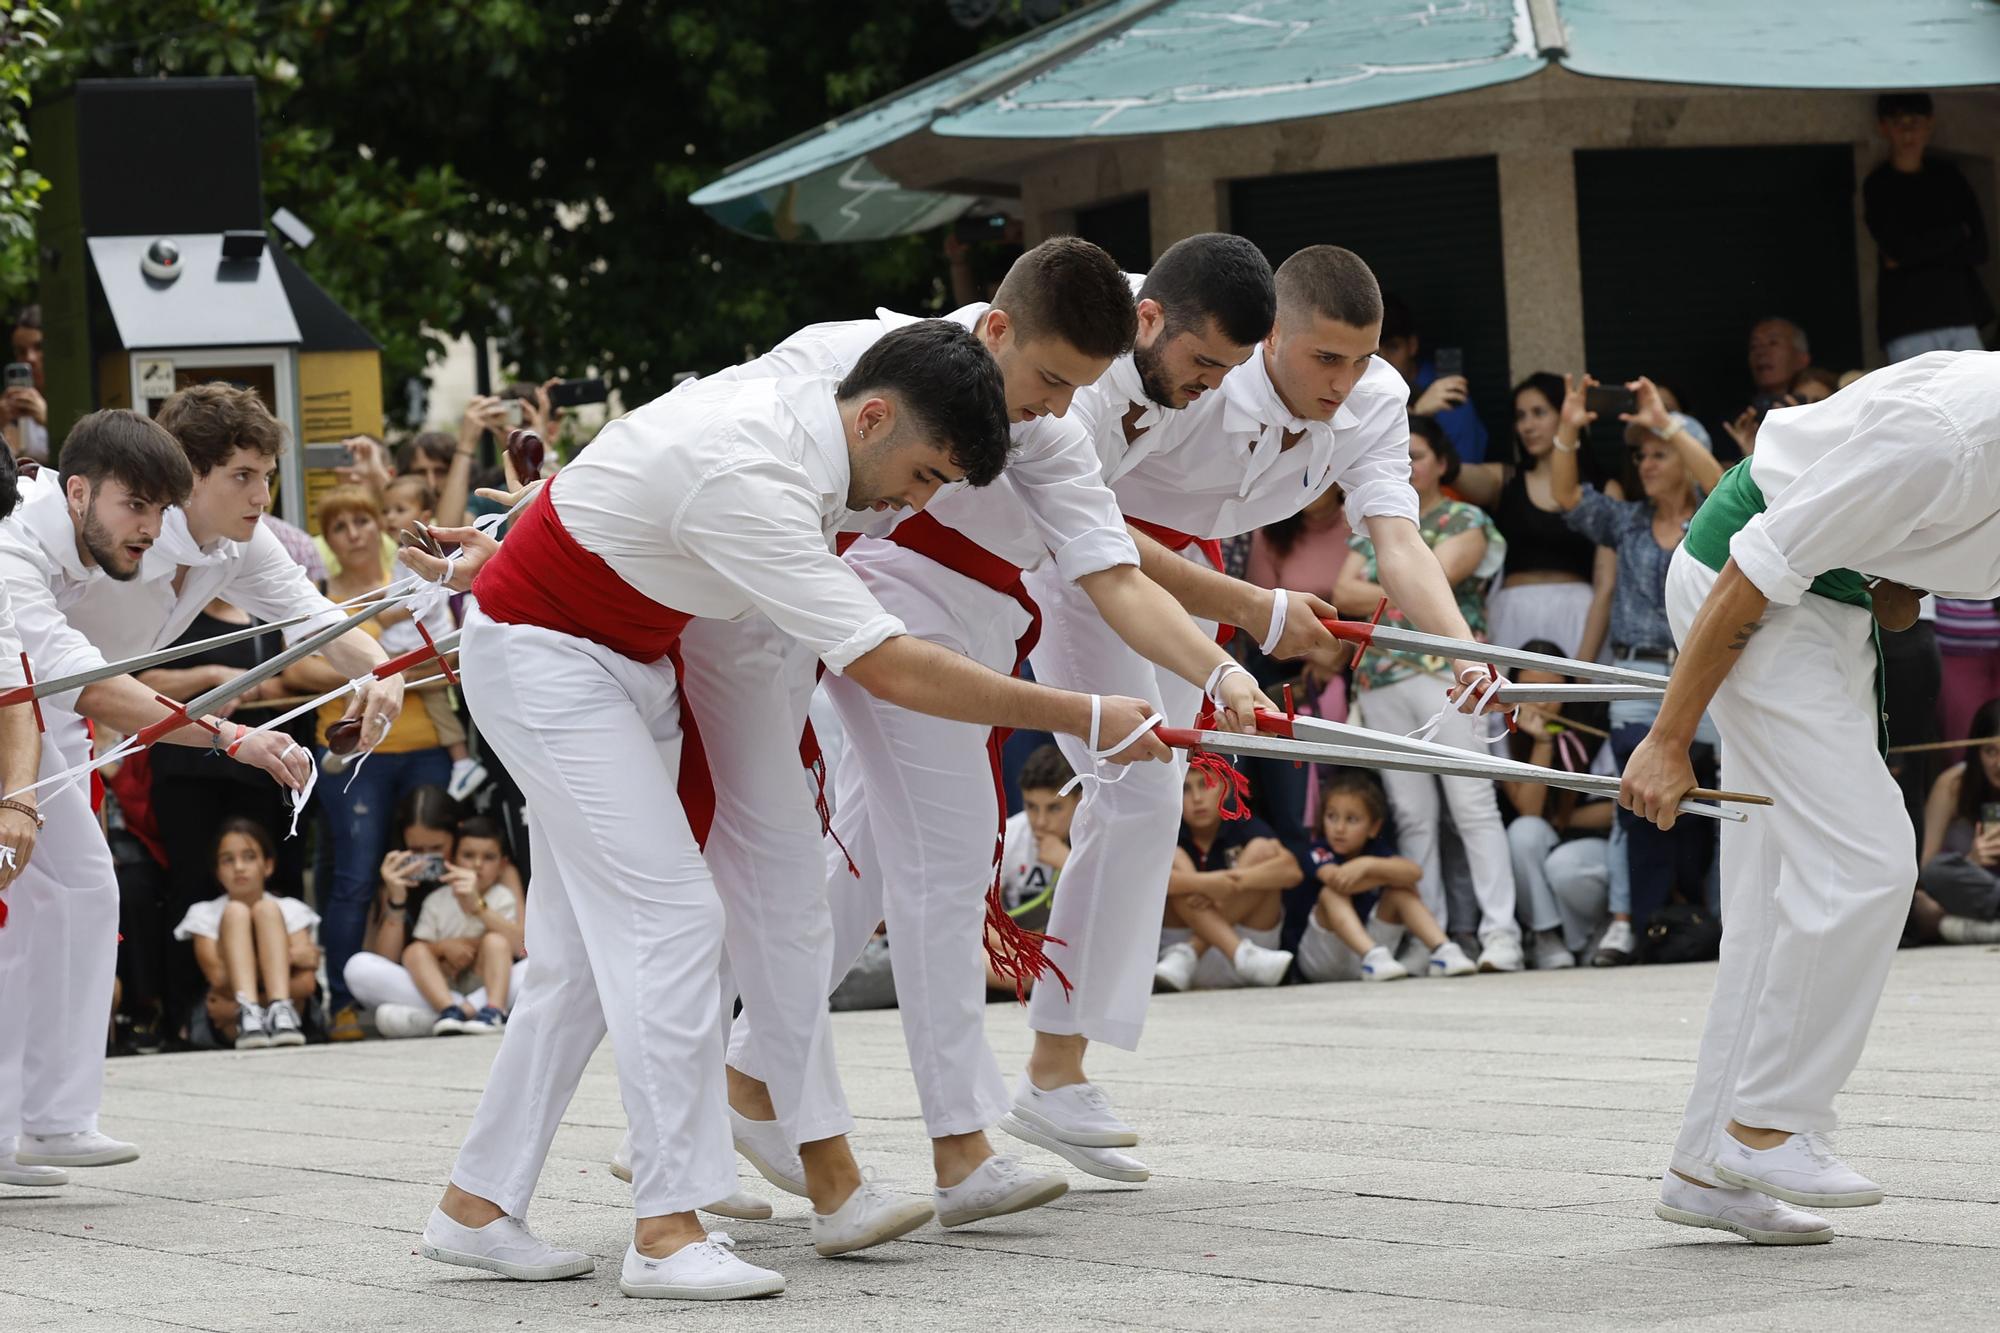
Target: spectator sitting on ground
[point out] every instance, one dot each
(1444, 398)
(468, 932)
(1225, 896)
(1368, 894)
(1929, 237)
(1034, 848)
(426, 824)
(1961, 861)
(1558, 838)
(255, 948)
(24, 412)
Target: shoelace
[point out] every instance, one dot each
(1818, 1149)
(1092, 1098)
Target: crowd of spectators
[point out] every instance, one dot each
(1555, 536)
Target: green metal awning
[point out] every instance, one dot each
(1147, 67)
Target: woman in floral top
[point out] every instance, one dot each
(1402, 692)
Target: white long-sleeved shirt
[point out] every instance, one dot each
(1219, 467)
(1049, 503)
(123, 619)
(720, 499)
(1897, 476)
(10, 644)
(44, 577)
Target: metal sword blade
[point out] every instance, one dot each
(263, 671)
(1437, 645)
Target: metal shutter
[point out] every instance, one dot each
(1124, 228)
(1431, 232)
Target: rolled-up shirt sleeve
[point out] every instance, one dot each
(1856, 503)
(53, 647)
(1377, 482)
(1057, 474)
(756, 521)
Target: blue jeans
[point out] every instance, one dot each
(357, 815)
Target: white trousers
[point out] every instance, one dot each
(1402, 707)
(374, 981)
(58, 958)
(1814, 890)
(1114, 887)
(624, 924)
(915, 806)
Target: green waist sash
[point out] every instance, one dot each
(1734, 502)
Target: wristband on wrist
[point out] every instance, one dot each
(1565, 448)
(23, 808)
(1673, 428)
(1279, 603)
(1221, 673)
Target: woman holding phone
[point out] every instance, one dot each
(1961, 861)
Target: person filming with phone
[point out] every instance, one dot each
(1961, 861)
(24, 412)
(1438, 387)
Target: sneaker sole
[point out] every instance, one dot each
(622, 1172)
(1078, 1155)
(518, 1272)
(1684, 1218)
(289, 1039)
(1858, 1199)
(1082, 1138)
(1453, 972)
(773, 1285)
(253, 1043)
(721, 1208)
(32, 1182)
(1165, 986)
(1032, 1195)
(1385, 976)
(887, 1230)
(769, 1172)
(109, 1157)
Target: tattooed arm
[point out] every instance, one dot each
(1659, 774)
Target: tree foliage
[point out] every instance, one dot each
(521, 168)
(24, 39)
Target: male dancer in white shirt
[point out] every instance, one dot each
(709, 506)
(58, 950)
(1313, 407)
(917, 796)
(1849, 505)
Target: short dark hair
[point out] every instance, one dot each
(1045, 770)
(1442, 448)
(1214, 276)
(1329, 281)
(10, 483)
(134, 450)
(481, 826)
(1069, 289)
(948, 381)
(426, 497)
(250, 829)
(1398, 320)
(214, 420)
(438, 444)
(429, 806)
(1363, 787)
(1889, 105)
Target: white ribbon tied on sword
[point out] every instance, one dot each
(1481, 690)
(1098, 756)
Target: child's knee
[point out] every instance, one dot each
(233, 911)
(495, 946)
(417, 949)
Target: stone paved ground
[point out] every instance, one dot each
(1475, 1153)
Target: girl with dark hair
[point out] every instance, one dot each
(1961, 862)
(1556, 584)
(255, 948)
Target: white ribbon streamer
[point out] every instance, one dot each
(1098, 756)
(303, 794)
(1280, 603)
(1481, 689)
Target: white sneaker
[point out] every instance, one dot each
(504, 1246)
(1618, 947)
(283, 1021)
(1175, 970)
(1448, 960)
(468, 775)
(403, 1020)
(707, 1270)
(1259, 966)
(253, 1030)
(1501, 953)
(1801, 1170)
(1746, 1212)
(1378, 964)
(86, 1148)
(1968, 930)
(1076, 1113)
(763, 1144)
(13, 1172)
(997, 1186)
(870, 1216)
(1551, 954)
(1105, 1163)
(739, 1206)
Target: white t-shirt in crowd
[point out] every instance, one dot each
(441, 918)
(205, 919)
(1024, 875)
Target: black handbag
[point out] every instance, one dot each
(1682, 933)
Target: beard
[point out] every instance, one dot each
(108, 552)
(1151, 363)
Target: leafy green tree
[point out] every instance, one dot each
(521, 169)
(24, 39)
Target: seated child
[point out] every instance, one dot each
(255, 948)
(406, 500)
(1362, 880)
(1225, 897)
(1035, 848)
(468, 933)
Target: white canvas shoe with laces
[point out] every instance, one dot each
(997, 1186)
(870, 1216)
(1801, 1170)
(707, 1270)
